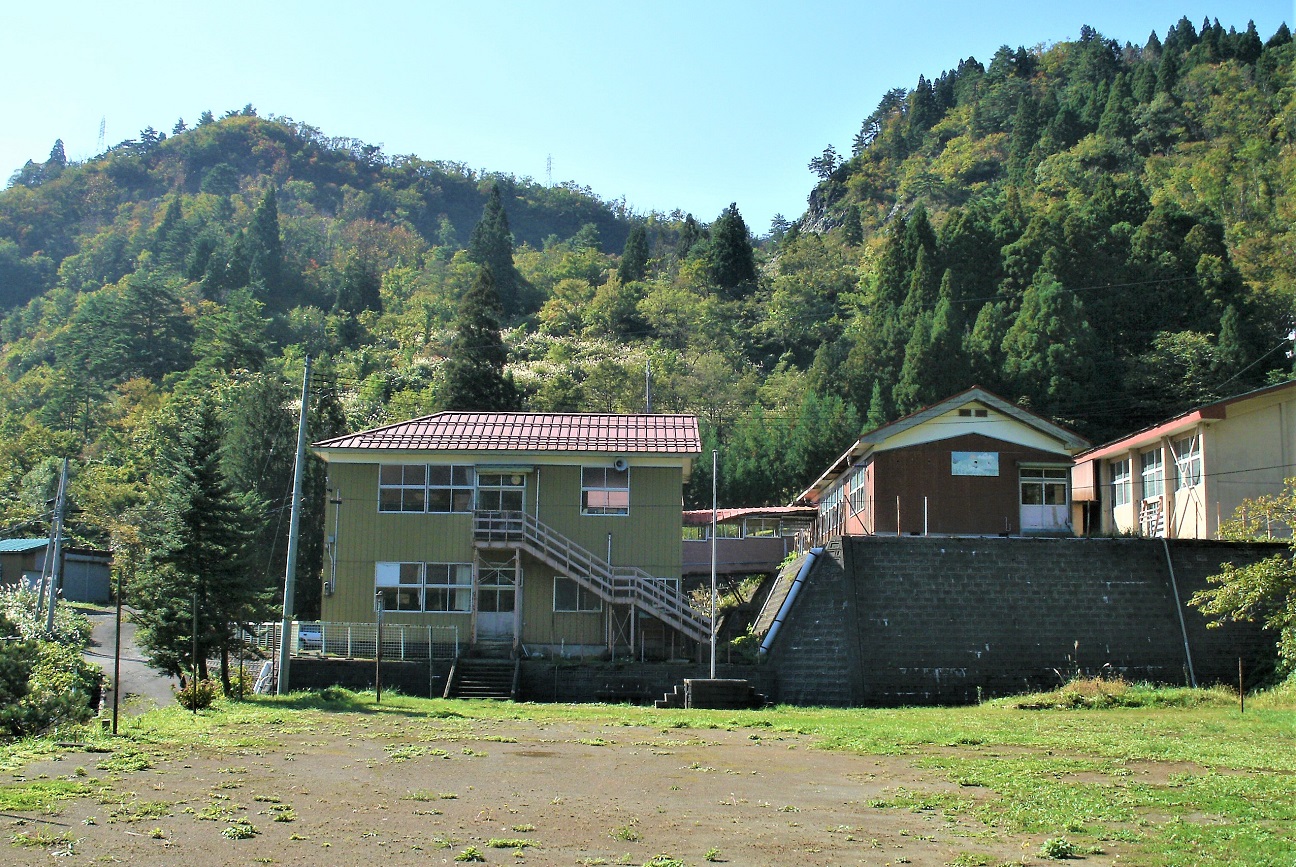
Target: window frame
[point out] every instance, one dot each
(605, 490)
(394, 575)
(462, 488)
(582, 595)
(1152, 474)
(1046, 479)
(1122, 481)
(1187, 455)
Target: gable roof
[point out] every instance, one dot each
(530, 432)
(875, 440)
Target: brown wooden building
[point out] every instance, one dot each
(971, 464)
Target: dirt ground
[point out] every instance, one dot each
(394, 789)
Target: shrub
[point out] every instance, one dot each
(197, 694)
(43, 683)
(1057, 848)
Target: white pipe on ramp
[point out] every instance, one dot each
(786, 607)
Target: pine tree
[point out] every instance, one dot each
(474, 378)
(877, 410)
(491, 245)
(198, 555)
(732, 260)
(634, 258)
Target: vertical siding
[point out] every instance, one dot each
(649, 537)
(365, 537)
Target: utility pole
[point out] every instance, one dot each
(715, 601)
(56, 569)
(648, 387)
(294, 531)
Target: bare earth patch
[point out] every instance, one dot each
(412, 790)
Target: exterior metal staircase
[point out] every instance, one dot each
(622, 585)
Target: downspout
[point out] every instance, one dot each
(1183, 628)
(786, 607)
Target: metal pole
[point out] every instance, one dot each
(56, 568)
(715, 459)
(924, 516)
(117, 653)
(193, 686)
(294, 532)
(378, 654)
(1241, 689)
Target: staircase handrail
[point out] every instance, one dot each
(624, 584)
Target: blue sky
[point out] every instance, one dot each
(669, 104)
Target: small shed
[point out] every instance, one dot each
(86, 571)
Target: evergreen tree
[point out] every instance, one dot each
(264, 249)
(690, 234)
(474, 378)
(1049, 350)
(1117, 121)
(198, 556)
(732, 260)
(877, 409)
(912, 390)
(1025, 133)
(634, 258)
(361, 287)
(491, 245)
(852, 230)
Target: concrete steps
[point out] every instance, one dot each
(482, 678)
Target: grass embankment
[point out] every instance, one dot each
(1161, 776)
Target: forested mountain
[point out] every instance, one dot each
(1106, 233)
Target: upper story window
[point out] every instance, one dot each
(1188, 462)
(1153, 471)
(500, 492)
(1120, 479)
(424, 488)
(605, 491)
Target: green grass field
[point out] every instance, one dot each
(1172, 777)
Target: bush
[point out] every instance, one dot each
(1057, 848)
(197, 694)
(43, 683)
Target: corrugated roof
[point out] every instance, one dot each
(531, 432)
(21, 546)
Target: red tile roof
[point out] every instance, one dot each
(531, 432)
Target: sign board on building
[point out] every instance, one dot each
(974, 463)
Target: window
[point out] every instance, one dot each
(1043, 487)
(695, 532)
(1188, 462)
(1120, 479)
(496, 584)
(571, 597)
(760, 527)
(402, 488)
(423, 488)
(857, 490)
(424, 586)
(605, 491)
(450, 489)
(500, 493)
(1153, 471)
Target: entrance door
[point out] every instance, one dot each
(1044, 503)
(496, 597)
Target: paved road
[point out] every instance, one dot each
(142, 687)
